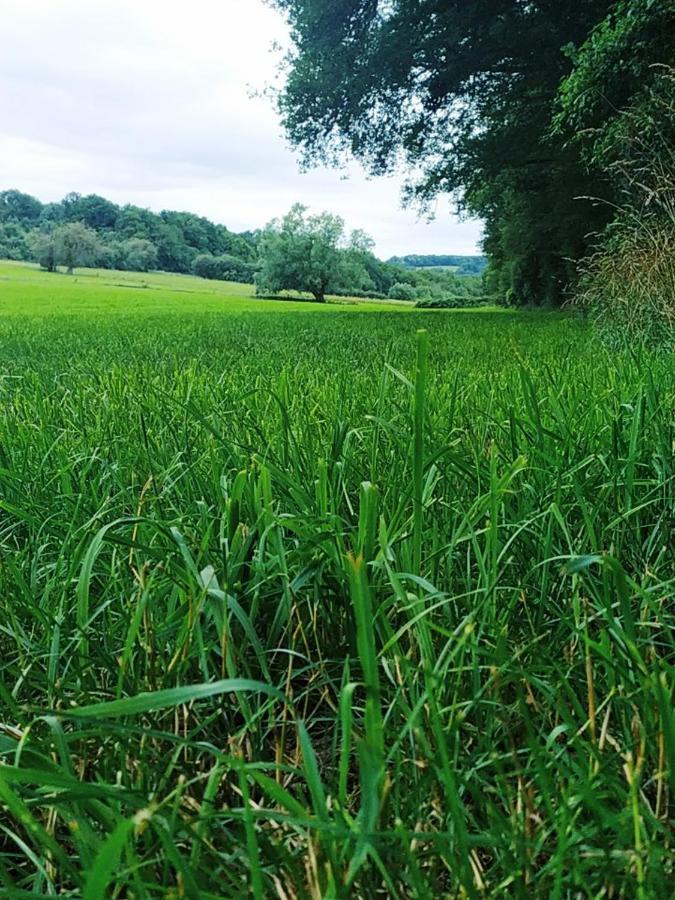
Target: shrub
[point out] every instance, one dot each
(139, 255)
(628, 287)
(456, 302)
(360, 294)
(232, 268)
(205, 266)
(223, 268)
(402, 291)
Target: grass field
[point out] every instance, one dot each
(309, 605)
(25, 289)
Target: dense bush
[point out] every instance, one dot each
(628, 287)
(359, 294)
(139, 255)
(223, 268)
(466, 302)
(619, 106)
(402, 291)
(206, 266)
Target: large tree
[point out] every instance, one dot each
(16, 206)
(74, 245)
(463, 93)
(305, 253)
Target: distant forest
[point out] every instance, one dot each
(93, 231)
(463, 265)
(172, 240)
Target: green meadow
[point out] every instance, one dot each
(351, 600)
(25, 289)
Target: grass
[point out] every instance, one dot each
(25, 289)
(308, 605)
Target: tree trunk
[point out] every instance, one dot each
(69, 270)
(320, 295)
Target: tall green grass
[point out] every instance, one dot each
(316, 606)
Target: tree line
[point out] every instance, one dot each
(539, 117)
(304, 253)
(93, 231)
(462, 265)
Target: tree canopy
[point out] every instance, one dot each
(309, 253)
(464, 94)
(616, 103)
(618, 107)
(170, 240)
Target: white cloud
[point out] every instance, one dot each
(149, 102)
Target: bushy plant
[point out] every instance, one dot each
(618, 105)
(402, 291)
(139, 255)
(235, 269)
(452, 302)
(628, 287)
(223, 268)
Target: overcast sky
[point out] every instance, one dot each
(149, 102)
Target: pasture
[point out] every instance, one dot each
(296, 602)
(26, 290)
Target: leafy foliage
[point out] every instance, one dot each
(402, 291)
(224, 268)
(171, 240)
(612, 102)
(302, 253)
(462, 265)
(460, 302)
(139, 255)
(618, 105)
(464, 94)
(70, 245)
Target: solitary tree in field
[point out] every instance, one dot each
(74, 245)
(68, 245)
(302, 253)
